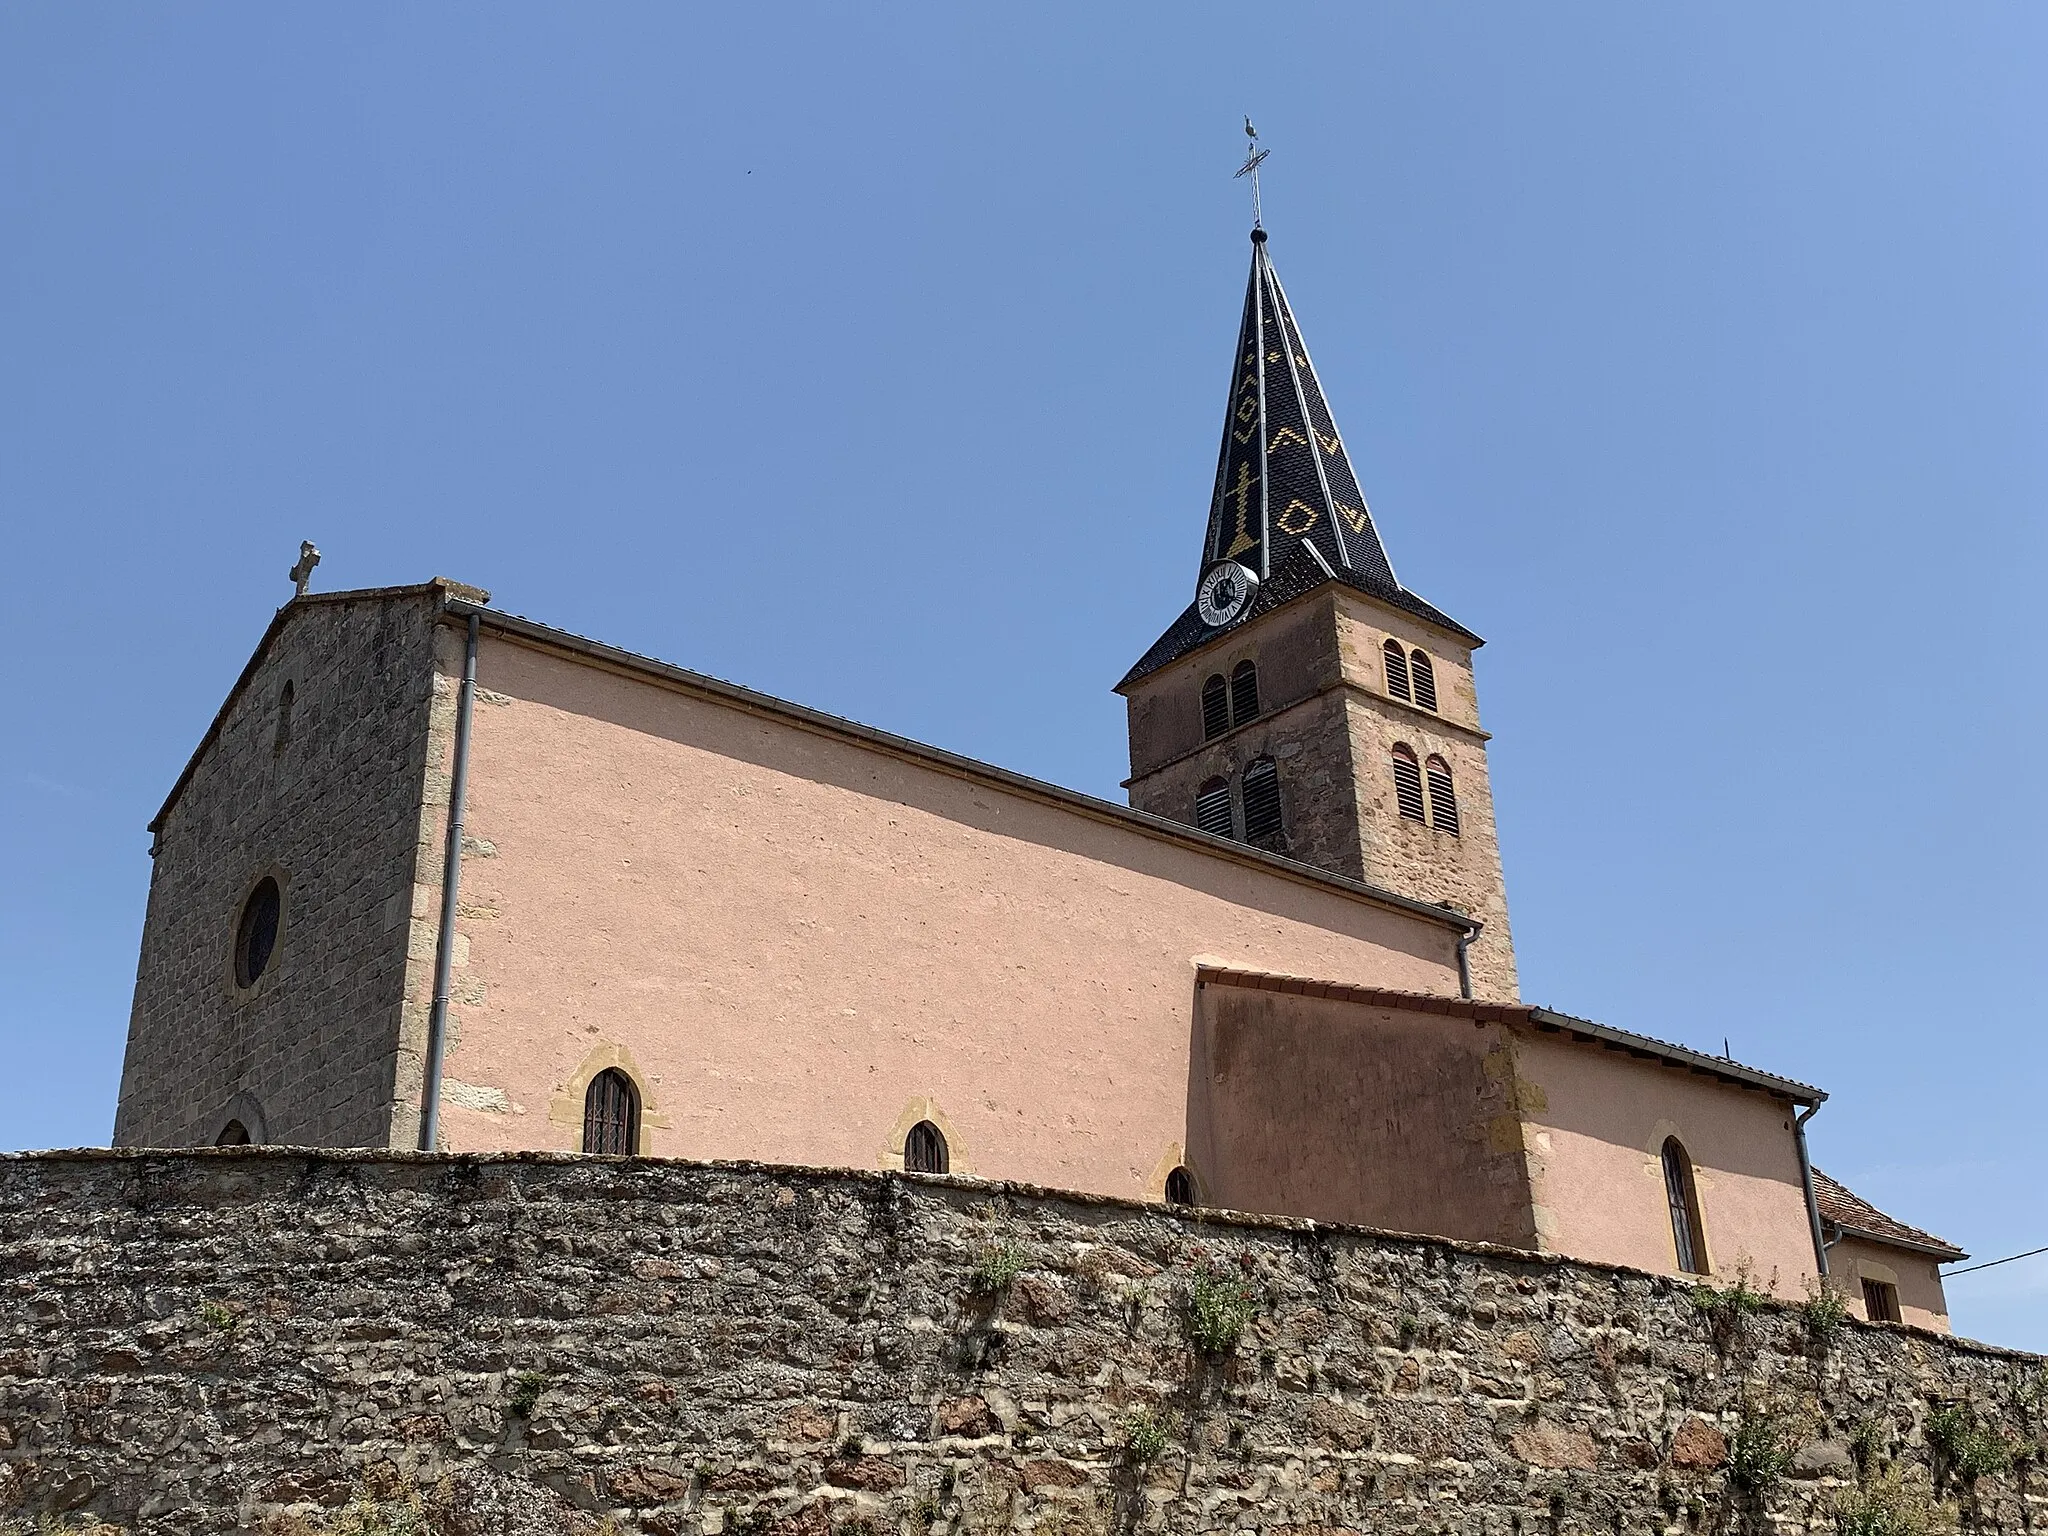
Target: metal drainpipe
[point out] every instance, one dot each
(1465, 960)
(451, 880)
(1820, 1247)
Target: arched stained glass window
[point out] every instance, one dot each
(611, 1114)
(1683, 1196)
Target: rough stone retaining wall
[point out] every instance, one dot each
(299, 1341)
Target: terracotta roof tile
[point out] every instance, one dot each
(1859, 1218)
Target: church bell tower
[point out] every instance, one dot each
(1306, 702)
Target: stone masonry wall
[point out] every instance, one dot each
(333, 813)
(294, 1341)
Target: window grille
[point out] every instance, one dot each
(1244, 693)
(1881, 1301)
(611, 1114)
(1215, 707)
(924, 1149)
(1261, 800)
(1425, 679)
(1683, 1196)
(1180, 1187)
(256, 932)
(236, 1134)
(1397, 671)
(1407, 781)
(1443, 802)
(1212, 807)
(284, 719)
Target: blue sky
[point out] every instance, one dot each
(875, 357)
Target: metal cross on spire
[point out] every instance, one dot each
(1253, 159)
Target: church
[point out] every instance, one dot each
(438, 876)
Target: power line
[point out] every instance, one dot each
(1995, 1262)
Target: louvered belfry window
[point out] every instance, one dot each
(1215, 707)
(1425, 679)
(1407, 782)
(1261, 800)
(1244, 693)
(1397, 671)
(1212, 807)
(1682, 1195)
(611, 1114)
(924, 1149)
(1443, 800)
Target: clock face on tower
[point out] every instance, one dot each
(1225, 592)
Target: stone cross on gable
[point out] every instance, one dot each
(302, 573)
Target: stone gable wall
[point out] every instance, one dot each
(308, 1055)
(252, 1339)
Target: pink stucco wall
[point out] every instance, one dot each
(1922, 1302)
(800, 943)
(1596, 1121)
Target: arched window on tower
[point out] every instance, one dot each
(1215, 707)
(611, 1114)
(1261, 799)
(1397, 671)
(1683, 1196)
(1244, 693)
(924, 1149)
(1212, 807)
(1443, 799)
(1180, 1187)
(1407, 782)
(1425, 679)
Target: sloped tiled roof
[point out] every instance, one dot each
(1287, 506)
(1839, 1207)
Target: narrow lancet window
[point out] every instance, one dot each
(1261, 800)
(1407, 782)
(1215, 707)
(1682, 1195)
(284, 719)
(1424, 676)
(1244, 693)
(611, 1114)
(1397, 671)
(1443, 799)
(1212, 807)
(924, 1149)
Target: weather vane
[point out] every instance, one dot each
(1253, 159)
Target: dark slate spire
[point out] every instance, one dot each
(1287, 508)
(1283, 478)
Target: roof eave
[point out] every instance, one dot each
(1948, 1253)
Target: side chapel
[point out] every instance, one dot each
(442, 876)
